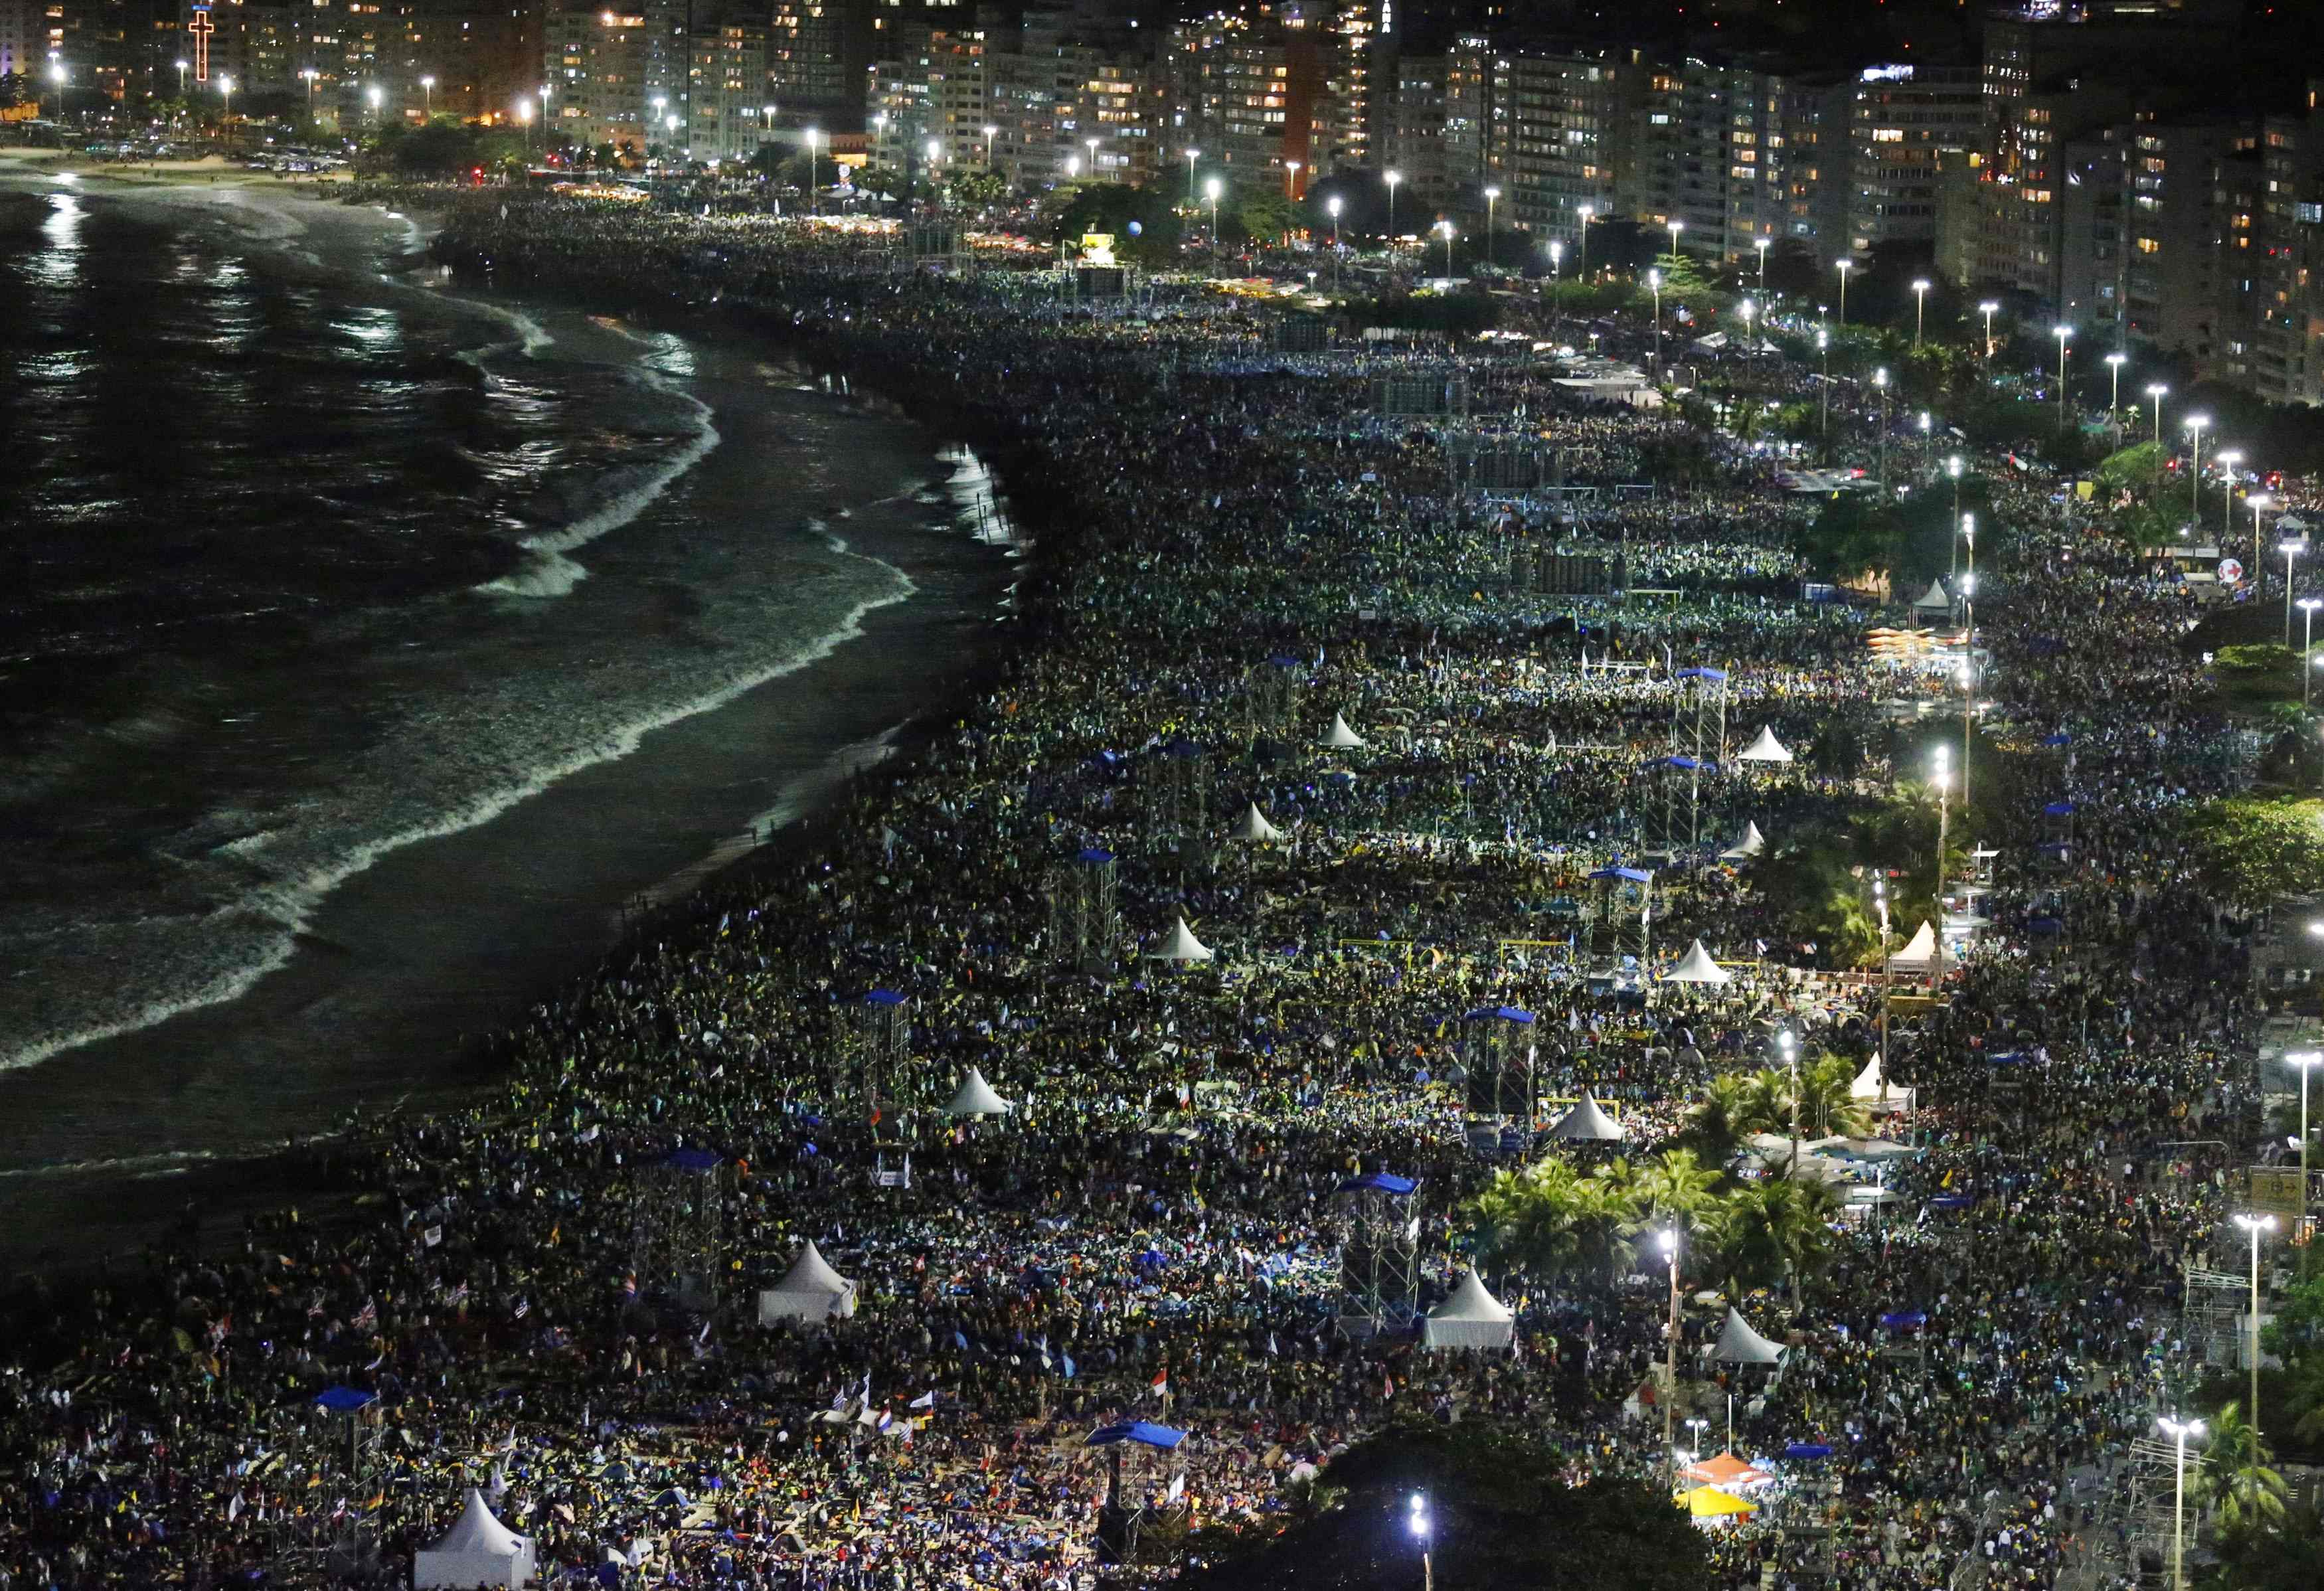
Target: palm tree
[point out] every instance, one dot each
(1675, 1189)
(1826, 1105)
(2236, 1480)
(1717, 1123)
(1772, 1231)
(1552, 1223)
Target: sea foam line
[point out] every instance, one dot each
(290, 904)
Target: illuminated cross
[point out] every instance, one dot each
(201, 28)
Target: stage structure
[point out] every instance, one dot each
(1418, 396)
(1499, 1053)
(1142, 1523)
(1175, 791)
(1503, 463)
(1272, 691)
(1379, 1255)
(678, 1230)
(1085, 917)
(1697, 739)
(872, 1072)
(1621, 913)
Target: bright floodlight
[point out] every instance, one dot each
(1212, 188)
(1667, 1242)
(2180, 1427)
(1989, 308)
(2157, 390)
(2257, 1223)
(2117, 358)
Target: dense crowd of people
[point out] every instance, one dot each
(551, 1297)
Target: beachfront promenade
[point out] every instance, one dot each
(555, 1297)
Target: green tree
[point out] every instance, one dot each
(2251, 850)
(1779, 1230)
(978, 189)
(1267, 216)
(2288, 1556)
(2238, 1480)
(1487, 1488)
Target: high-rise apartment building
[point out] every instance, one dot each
(1900, 121)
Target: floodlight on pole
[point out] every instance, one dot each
(1989, 310)
(1920, 307)
(2179, 1431)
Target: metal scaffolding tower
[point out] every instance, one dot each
(1084, 921)
(872, 1069)
(677, 1228)
(1497, 1052)
(1379, 1255)
(1620, 917)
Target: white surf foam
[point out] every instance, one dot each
(256, 934)
(543, 574)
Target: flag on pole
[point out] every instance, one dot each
(927, 1400)
(1162, 1383)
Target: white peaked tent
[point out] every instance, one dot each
(1935, 600)
(1740, 1344)
(1866, 1087)
(811, 1291)
(1586, 1123)
(1256, 829)
(977, 1098)
(1752, 843)
(1696, 967)
(1922, 951)
(1766, 749)
(1471, 1319)
(1181, 946)
(479, 1551)
(1341, 737)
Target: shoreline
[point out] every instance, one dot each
(235, 1185)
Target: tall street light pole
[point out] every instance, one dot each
(1492, 198)
(1761, 245)
(2308, 607)
(1669, 1242)
(2254, 1224)
(2180, 1429)
(1989, 310)
(2227, 462)
(1416, 1516)
(1843, 267)
(1969, 660)
(1823, 389)
(2062, 333)
(1920, 306)
(1392, 179)
(1953, 468)
(1191, 156)
(2195, 424)
(1880, 380)
(1334, 205)
(1581, 251)
(1944, 781)
(2257, 504)
(1655, 283)
(2114, 363)
(2291, 550)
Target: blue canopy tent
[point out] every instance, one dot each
(1701, 672)
(1904, 1319)
(1378, 1182)
(1093, 856)
(1144, 1432)
(2061, 738)
(692, 1160)
(1808, 1450)
(1951, 1201)
(1630, 875)
(345, 1400)
(1505, 1012)
(882, 997)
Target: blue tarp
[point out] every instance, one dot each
(1635, 875)
(1505, 1012)
(1381, 1181)
(2044, 925)
(1951, 1201)
(1092, 854)
(1700, 673)
(1904, 1320)
(882, 997)
(345, 1400)
(691, 1159)
(1281, 661)
(1143, 1431)
(1693, 763)
(2010, 1058)
(1808, 1450)
(2060, 810)
(2061, 738)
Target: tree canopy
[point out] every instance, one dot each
(1488, 1494)
(2252, 850)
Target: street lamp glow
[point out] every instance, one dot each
(1210, 189)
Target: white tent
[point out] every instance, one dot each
(1752, 843)
(1921, 952)
(1696, 967)
(479, 1551)
(1471, 1319)
(1935, 600)
(811, 1291)
(1867, 1086)
(1766, 749)
(1181, 946)
(1587, 1122)
(1256, 829)
(1342, 738)
(1740, 1344)
(976, 1098)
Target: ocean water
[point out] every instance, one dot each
(363, 647)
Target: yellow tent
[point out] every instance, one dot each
(1710, 1502)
